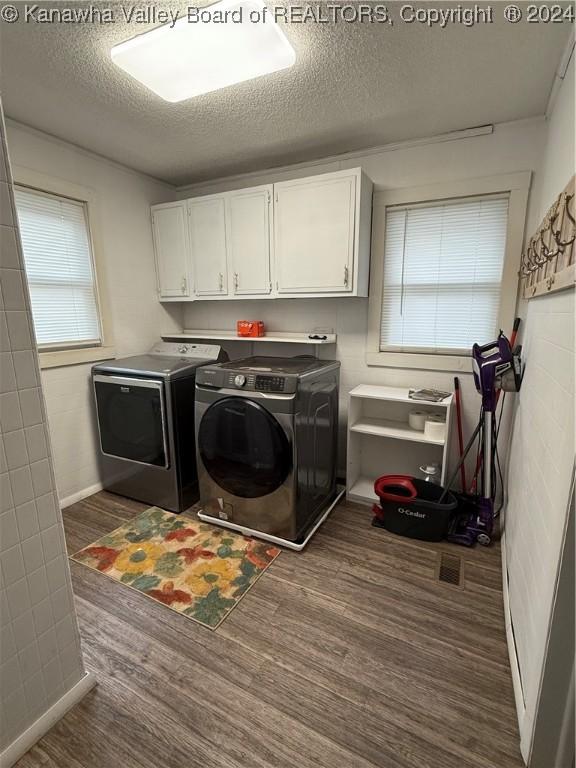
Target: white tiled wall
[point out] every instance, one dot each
(40, 655)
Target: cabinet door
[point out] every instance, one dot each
(207, 226)
(171, 249)
(249, 240)
(314, 234)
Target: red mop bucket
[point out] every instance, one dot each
(411, 507)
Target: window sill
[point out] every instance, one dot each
(432, 362)
(66, 357)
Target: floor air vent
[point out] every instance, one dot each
(451, 569)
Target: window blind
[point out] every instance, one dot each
(58, 260)
(442, 274)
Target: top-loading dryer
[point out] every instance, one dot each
(266, 442)
(145, 413)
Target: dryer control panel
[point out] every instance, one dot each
(186, 350)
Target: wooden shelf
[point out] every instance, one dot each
(395, 429)
(277, 337)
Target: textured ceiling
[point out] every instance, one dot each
(353, 86)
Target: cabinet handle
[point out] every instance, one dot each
(220, 281)
(184, 285)
(236, 281)
(346, 276)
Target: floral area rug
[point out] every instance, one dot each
(196, 569)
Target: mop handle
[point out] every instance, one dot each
(462, 459)
(460, 437)
(514, 332)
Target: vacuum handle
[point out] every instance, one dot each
(481, 348)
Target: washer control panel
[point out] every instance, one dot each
(215, 377)
(256, 382)
(270, 383)
(240, 380)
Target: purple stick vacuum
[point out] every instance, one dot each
(496, 367)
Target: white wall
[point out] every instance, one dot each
(124, 200)
(138, 319)
(40, 656)
(512, 147)
(542, 447)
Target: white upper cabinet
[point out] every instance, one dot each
(305, 237)
(170, 231)
(322, 234)
(314, 235)
(248, 237)
(207, 227)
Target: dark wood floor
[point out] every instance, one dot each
(348, 655)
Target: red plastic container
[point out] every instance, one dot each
(250, 328)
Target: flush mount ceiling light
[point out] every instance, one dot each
(207, 49)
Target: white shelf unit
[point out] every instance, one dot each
(277, 337)
(381, 441)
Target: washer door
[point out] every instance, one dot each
(243, 448)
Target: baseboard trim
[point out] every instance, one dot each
(512, 654)
(69, 500)
(40, 727)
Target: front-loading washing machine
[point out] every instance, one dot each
(266, 443)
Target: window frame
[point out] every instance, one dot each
(517, 186)
(75, 353)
